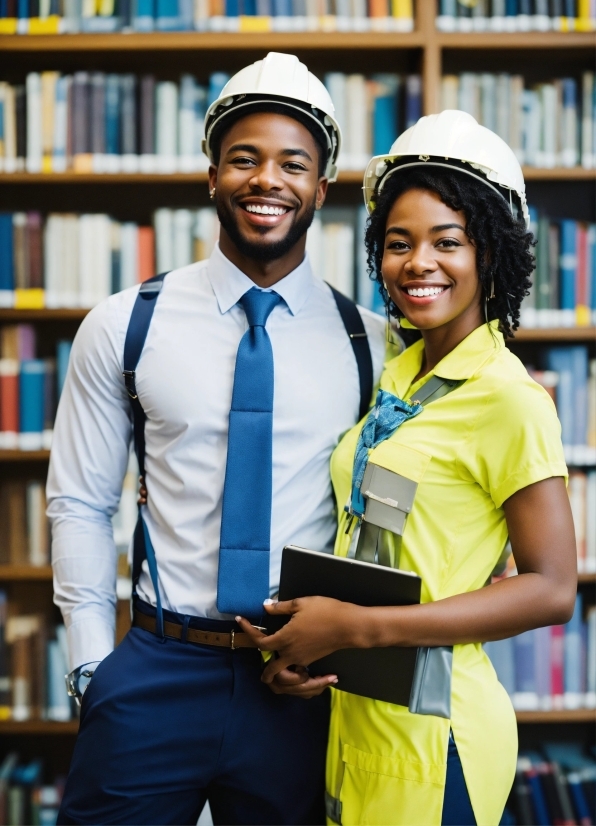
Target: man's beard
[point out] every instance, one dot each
(263, 251)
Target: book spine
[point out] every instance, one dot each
(34, 123)
(31, 402)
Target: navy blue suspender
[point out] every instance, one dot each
(136, 334)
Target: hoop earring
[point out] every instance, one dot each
(488, 298)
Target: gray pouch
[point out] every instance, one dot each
(389, 498)
(431, 687)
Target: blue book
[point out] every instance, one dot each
(58, 706)
(31, 404)
(501, 655)
(6, 260)
(143, 15)
(413, 100)
(232, 8)
(248, 7)
(167, 15)
(23, 9)
(63, 349)
(567, 274)
(541, 817)
(511, 8)
(385, 126)
(186, 15)
(526, 695)
(112, 109)
(3, 8)
(560, 360)
(579, 355)
(573, 657)
(578, 798)
(282, 8)
(217, 80)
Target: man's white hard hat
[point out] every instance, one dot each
(283, 80)
(451, 139)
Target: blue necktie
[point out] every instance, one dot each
(243, 577)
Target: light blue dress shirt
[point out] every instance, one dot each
(184, 382)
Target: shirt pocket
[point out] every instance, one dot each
(379, 789)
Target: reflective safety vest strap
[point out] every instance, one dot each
(354, 325)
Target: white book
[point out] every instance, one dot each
(166, 126)
(516, 91)
(488, 94)
(103, 258)
(541, 17)
(480, 16)
(548, 138)
(34, 125)
(314, 246)
(51, 260)
(358, 121)
(201, 15)
(129, 256)
(497, 19)
(37, 526)
(205, 232)
(449, 92)
(468, 95)
(69, 274)
(182, 225)
(58, 706)
(86, 260)
(60, 124)
(531, 127)
(336, 86)
(163, 221)
(587, 126)
(344, 256)
(502, 106)
(360, 20)
(186, 124)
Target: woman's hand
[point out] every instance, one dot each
(318, 626)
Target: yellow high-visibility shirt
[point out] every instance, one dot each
(469, 451)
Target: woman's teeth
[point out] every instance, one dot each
(422, 291)
(263, 209)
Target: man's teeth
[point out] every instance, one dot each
(422, 291)
(263, 209)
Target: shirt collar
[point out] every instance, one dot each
(461, 363)
(230, 284)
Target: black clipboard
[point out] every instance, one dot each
(379, 673)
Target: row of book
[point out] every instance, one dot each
(553, 784)
(25, 800)
(247, 16)
(97, 122)
(72, 260)
(563, 292)
(552, 667)
(546, 124)
(516, 16)
(33, 662)
(29, 389)
(569, 376)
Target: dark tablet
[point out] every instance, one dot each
(379, 673)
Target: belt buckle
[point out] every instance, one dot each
(232, 635)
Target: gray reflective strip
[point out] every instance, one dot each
(333, 808)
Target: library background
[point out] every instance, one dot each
(102, 184)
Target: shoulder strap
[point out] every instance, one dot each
(435, 388)
(359, 340)
(136, 334)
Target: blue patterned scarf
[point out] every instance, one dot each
(381, 423)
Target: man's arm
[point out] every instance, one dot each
(88, 462)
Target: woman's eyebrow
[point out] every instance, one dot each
(442, 227)
(397, 231)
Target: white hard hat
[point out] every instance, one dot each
(452, 139)
(281, 79)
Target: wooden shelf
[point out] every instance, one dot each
(579, 715)
(517, 40)
(554, 334)
(217, 41)
(586, 579)
(577, 173)
(25, 572)
(66, 314)
(24, 455)
(38, 727)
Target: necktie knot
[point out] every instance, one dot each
(257, 305)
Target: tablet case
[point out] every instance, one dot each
(379, 673)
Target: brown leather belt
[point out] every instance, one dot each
(228, 639)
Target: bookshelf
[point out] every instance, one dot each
(564, 191)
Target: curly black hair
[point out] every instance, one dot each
(503, 246)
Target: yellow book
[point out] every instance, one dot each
(8, 25)
(403, 15)
(582, 315)
(32, 299)
(106, 8)
(46, 25)
(584, 22)
(255, 23)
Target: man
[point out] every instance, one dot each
(240, 377)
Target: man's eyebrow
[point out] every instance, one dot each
(301, 152)
(243, 147)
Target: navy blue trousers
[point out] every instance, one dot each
(167, 725)
(457, 809)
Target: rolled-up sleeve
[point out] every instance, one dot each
(88, 461)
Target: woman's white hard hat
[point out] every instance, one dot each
(283, 80)
(451, 139)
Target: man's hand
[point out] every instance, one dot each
(318, 626)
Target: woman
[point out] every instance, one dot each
(485, 460)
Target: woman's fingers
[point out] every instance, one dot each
(311, 687)
(255, 634)
(273, 607)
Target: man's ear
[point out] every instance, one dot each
(212, 177)
(322, 186)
